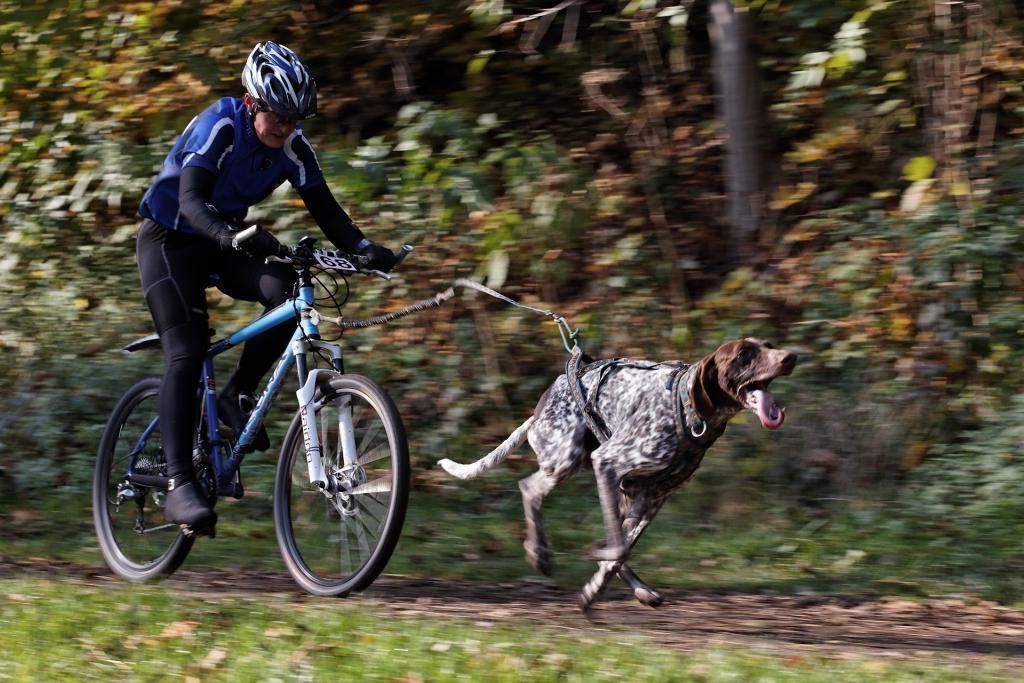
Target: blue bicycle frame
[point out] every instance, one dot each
(225, 464)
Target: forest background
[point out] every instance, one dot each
(842, 178)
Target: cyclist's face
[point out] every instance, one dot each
(273, 130)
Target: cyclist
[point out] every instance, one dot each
(230, 157)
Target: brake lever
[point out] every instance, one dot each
(402, 253)
(399, 257)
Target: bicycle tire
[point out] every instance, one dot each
(317, 531)
(153, 550)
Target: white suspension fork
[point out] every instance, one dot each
(311, 438)
(346, 432)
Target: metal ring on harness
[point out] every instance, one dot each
(704, 429)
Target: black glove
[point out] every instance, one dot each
(380, 258)
(260, 245)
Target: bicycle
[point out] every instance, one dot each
(341, 486)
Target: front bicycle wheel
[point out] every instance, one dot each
(127, 506)
(338, 540)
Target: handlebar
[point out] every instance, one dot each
(305, 255)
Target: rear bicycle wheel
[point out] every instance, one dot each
(339, 540)
(136, 542)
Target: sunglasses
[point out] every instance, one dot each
(276, 119)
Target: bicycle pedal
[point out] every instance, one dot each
(191, 531)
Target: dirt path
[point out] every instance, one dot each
(936, 629)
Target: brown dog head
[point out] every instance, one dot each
(737, 376)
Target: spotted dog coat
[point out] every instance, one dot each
(648, 453)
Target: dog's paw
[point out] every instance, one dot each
(586, 606)
(648, 597)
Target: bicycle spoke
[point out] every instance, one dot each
(381, 485)
(364, 546)
(300, 477)
(362, 500)
(364, 512)
(374, 454)
(345, 547)
(371, 432)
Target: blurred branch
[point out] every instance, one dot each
(592, 82)
(535, 34)
(508, 25)
(572, 20)
(395, 47)
(404, 85)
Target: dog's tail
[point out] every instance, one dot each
(491, 459)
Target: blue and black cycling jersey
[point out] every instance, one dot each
(238, 171)
(222, 140)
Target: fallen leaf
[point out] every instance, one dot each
(179, 629)
(214, 658)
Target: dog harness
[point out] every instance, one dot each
(689, 423)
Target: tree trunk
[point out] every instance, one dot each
(739, 106)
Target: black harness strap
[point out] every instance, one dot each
(684, 413)
(572, 376)
(683, 410)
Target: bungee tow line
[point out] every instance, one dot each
(564, 329)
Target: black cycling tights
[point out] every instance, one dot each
(176, 269)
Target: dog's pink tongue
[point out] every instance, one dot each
(767, 410)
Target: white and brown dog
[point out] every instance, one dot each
(644, 427)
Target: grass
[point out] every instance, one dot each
(64, 630)
(472, 531)
(58, 631)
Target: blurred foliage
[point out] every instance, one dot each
(573, 161)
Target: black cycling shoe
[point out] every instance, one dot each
(186, 505)
(234, 408)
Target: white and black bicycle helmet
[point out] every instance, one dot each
(279, 82)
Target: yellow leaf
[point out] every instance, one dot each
(919, 168)
(914, 455)
(960, 189)
(902, 326)
(81, 303)
(788, 195)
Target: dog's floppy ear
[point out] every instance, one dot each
(705, 382)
